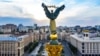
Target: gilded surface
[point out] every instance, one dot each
(53, 50)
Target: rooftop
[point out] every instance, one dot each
(82, 38)
(8, 38)
(11, 38)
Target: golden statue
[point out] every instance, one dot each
(53, 48)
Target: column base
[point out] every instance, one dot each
(54, 50)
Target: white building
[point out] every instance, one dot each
(22, 28)
(5, 30)
(86, 45)
(8, 28)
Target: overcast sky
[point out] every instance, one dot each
(28, 12)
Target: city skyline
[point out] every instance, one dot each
(84, 12)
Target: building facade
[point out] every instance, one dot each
(13, 46)
(86, 45)
(8, 28)
(9, 46)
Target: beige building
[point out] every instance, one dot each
(10, 46)
(38, 36)
(63, 35)
(13, 46)
(86, 44)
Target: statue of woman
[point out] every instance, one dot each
(52, 15)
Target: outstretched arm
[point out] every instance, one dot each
(58, 10)
(46, 10)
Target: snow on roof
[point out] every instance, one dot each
(11, 38)
(23, 36)
(95, 39)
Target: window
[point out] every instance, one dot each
(18, 44)
(83, 44)
(83, 55)
(86, 35)
(82, 51)
(89, 54)
(82, 47)
(18, 52)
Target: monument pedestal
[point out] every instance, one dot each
(53, 50)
